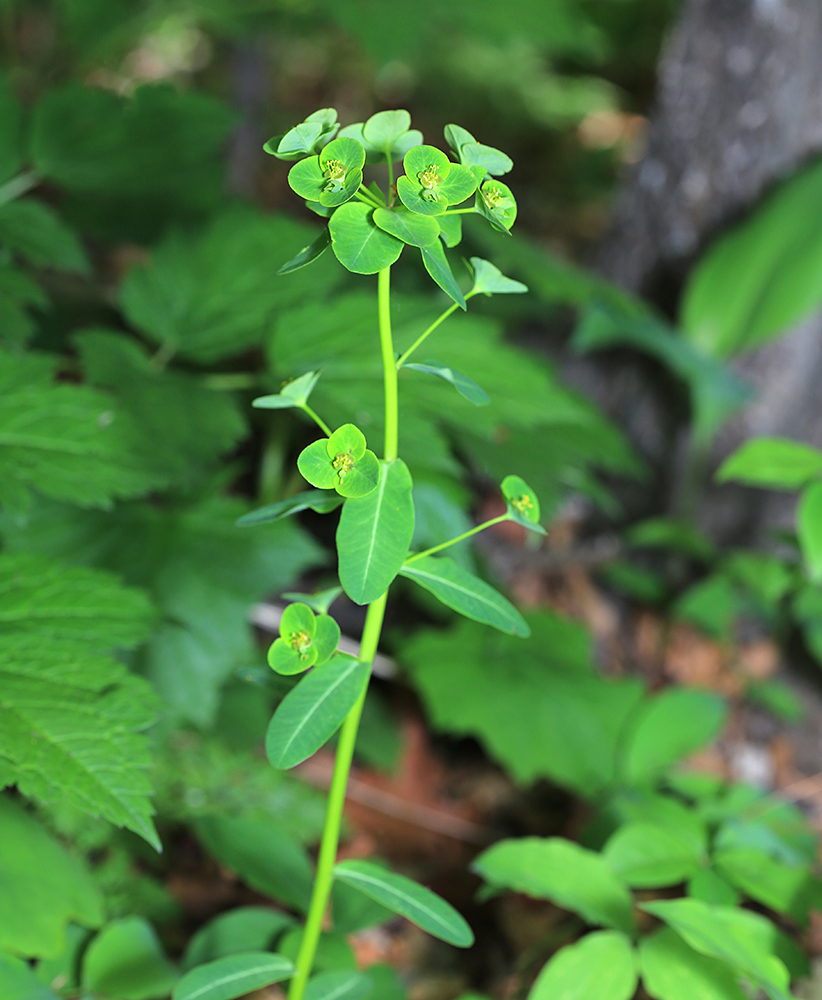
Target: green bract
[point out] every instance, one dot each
(385, 134)
(497, 204)
(474, 154)
(521, 499)
(306, 138)
(432, 182)
(341, 462)
(331, 178)
(305, 640)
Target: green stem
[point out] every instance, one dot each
(326, 859)
(17, 186)
(388, 364)
(458, 211)
(317, 420)
(368, 197)
(424, 336)
(390, 175)
(459, 538)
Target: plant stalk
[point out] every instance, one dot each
(459, 538)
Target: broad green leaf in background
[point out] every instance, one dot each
(668, 728)
(785, 888)
(338, 986)
(401, 895)
(44, 888)
(809, 529)
(320, 501)
(672, 970)
(11, 135)
(126, 960)
(35, 232)
(358, 243)
(334, 951)
(311, 712)
(374, 534)
(265, 857)
(436, 264)
(560, 870)
(709, 887)
(601, 966)
(763, 276)
(465, 386)
(247, 928)
(538, 707)
(232, 977)
(773, 463)
(742, 939)
(65, 441)
(19, 292)
(465, 593)
(648, 856)
(17, 979)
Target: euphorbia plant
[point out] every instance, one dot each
(368, 229)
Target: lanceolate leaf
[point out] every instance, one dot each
(436, 264)
(313, 711)
(416, 903)
(374, 534)
(466, 593)
(307, 254)
(465, 386)
(234, 976)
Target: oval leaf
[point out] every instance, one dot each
(466, 593)
(232, 977)
(465, 386)
(311, 712)
(127, 960)
(414, 902)
(599, 967)
(773, 463)
(359, 244)
(374, 534)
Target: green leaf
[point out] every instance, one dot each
(338, 986)
(35, 232)
(127, 961)
(668, 728)
(763, 276)
(450, 229)
(773, 463)
(707, 886)
(12, 148)
(307, 179)
(460, 184)
(247, 928)
(44, 889)
(320, 501)
(647, 856)
(359, 244)
(374, 534)
(313, 711)
(261, 853)
(742, 939)
(489, 280)
(465, 386)
(308, 254)
(466, 593)
(415, 230)
(781, 887)
(64, 441)
(18, 980)
(494, 161)
(233, 976)
(436, 264)
(414, 902)
(294, 393)
(384, 128)
(601, 966)
(672, 970)
(809, 530)
(522, 502)
(567, 874)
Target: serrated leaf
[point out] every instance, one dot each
(358, 243)
(465, 386)
(36, 233)
(413, 901)
(232, 977)
(311, 712)
(126, 960)
(436, 264)
(599, 967)
(308, 254)
(569, 875)
(374, 534)
(672, 970)
(43, 887)
(772, 463)
(465, 593)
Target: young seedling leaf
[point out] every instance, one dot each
(338, 986)
(418, 904)
(232, 977)
(358, 243)
(313, 711)
(773, 463)
(489, 280)
(374, 534)
(436, 264)
(320, 501)
(465, 386)
(466, 593)
(809, 530)
(415, 230)
(307, 254)
(601, 966)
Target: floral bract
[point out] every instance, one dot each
(305, 640)
(432, 182)
(474, 154)
(523, 505)
(341, 462)
(306, 138)
(385, 134)
(331, 178)
(496, 202)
